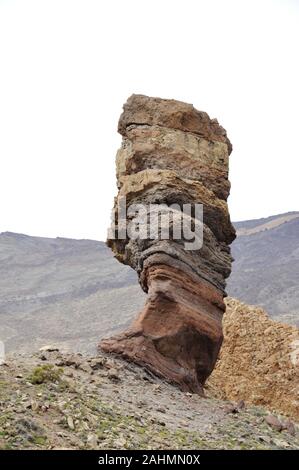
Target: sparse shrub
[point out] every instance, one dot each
(45, 373)
(39, 440)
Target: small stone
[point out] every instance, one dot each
(34, 405)
(161, 409)
(92, 441)
(97, 363)
(142, 403)
(43, 357)
(231, 409)
(70, 423)
(182, 423)
(68, 373)
(113, 374)
(264, 439)
(110, 364)
(156, 388)
(85, 426)
(27, 404)
(274, 422)
(45, 406)
(241, 405)
(120, 442)
(86, 368)
(290, 427)
(92, 419)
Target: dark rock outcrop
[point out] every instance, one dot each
(173, 154)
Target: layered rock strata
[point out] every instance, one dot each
(173, 154)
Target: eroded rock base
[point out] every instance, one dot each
(178, 334)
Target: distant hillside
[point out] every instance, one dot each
(62, 291)
(250, 227)
(266, 267)
(73, 292)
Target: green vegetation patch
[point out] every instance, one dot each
(45, 373)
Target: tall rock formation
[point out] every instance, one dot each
(172, 153)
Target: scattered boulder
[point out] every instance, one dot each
(274, 422)
(289, 427)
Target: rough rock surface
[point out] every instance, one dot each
(173, 154)
(259, 360)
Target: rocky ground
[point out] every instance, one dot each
(51, 400)
(258, 360)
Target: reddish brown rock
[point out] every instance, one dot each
(172, 153)
(290, 427)
(178, 334)
(274, 422)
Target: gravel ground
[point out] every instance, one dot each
(51, 400)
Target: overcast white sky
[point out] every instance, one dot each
(67, 67)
